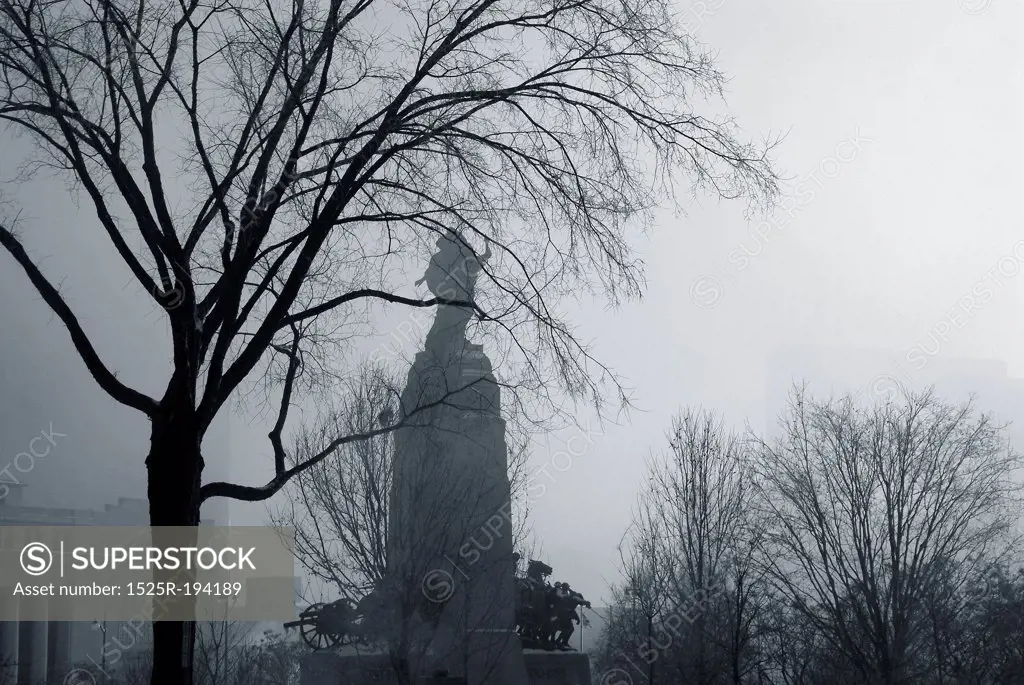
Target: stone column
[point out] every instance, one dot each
(451, 508)
(9, 637)
(62, 646)
(40, 642)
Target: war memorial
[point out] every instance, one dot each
(452, 610)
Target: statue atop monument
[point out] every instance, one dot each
(453, 270)
(449, 361)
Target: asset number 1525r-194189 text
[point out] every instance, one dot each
(167, 588)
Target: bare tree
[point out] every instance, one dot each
(339, 508)
(689, 560)
(227, 653)
(321, 147)
(220, 650)
(701, 489)
(790, 650)
(625, 632)
(744, 600)
(645, 577)
(975, 632)
(873, 510)
(230, 653)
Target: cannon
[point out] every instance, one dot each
(367, 622)
(326, 625)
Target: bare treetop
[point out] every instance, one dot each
(322, 141)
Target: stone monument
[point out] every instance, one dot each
(450, 558)
(450, 537)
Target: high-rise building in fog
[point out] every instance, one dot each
(874, 375)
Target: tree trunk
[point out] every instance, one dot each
(737, 678)
(650, 667)
(702, 669)
(174, 467)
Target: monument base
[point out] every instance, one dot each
(557, 668)
(333, 668)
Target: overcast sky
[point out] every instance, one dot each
(903, 141)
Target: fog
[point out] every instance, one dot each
(901, 139)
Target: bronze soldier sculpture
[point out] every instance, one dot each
(532, 610)
(544, 609)
(566, 615)
(555, 597)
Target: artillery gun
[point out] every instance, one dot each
(327, 625)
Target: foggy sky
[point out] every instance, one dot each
(903, 135)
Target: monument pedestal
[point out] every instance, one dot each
(557, 668)
(332, 668)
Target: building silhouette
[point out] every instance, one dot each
(33, 652)
(873, 375)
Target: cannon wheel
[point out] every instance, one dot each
(311, 633)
